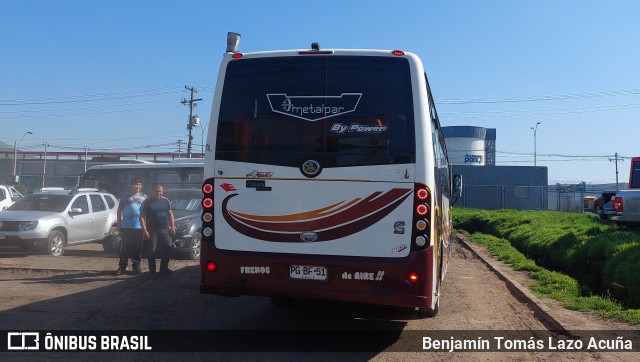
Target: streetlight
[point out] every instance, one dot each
(15, 156)
(535, 130)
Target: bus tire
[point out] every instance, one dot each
(280, 302)
(428, 312)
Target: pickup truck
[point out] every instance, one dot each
(625, 204)
(8, 195)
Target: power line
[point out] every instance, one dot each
(92, 97)
(541, 98)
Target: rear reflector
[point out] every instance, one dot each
(211, 266)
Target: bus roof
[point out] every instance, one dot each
(194, 162)
(303, 52)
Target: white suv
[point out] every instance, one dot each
(52, 219)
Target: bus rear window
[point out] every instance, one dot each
(340, 110)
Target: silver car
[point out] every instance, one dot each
(52, 219)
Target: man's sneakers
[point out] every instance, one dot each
(120, 271)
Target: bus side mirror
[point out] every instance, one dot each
(457, 186)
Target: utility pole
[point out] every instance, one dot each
(616, 161)
(15, 158)
(192, 103)
(179, 148)
(44, 168)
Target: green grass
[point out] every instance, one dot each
(585, 263)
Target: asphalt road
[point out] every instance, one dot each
(80, 291)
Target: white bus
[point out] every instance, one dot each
(116, 178)
(326, 177)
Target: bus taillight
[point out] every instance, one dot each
(211, 266)
(422, 193)
(207, 211)
(421, 217)
(207, 231)
(413, 277)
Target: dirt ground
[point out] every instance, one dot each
(81, 291)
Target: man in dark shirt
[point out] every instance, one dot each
(156, 219)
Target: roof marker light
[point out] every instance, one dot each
(397, 53)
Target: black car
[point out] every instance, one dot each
(186, 205)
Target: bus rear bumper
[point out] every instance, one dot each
(383, 281)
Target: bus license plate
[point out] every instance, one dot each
(309, 272)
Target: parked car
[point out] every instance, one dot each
(602, 205)
(186, 205)
(8, 195)
(52, 219)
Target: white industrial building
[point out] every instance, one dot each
(472, 153)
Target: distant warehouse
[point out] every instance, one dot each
(472, 152)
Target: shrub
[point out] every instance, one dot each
(603, 258)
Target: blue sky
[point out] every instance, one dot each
(110, 75)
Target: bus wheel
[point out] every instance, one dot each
(428, 312)
(282, 302)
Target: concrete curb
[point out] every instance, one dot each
(540, 310)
